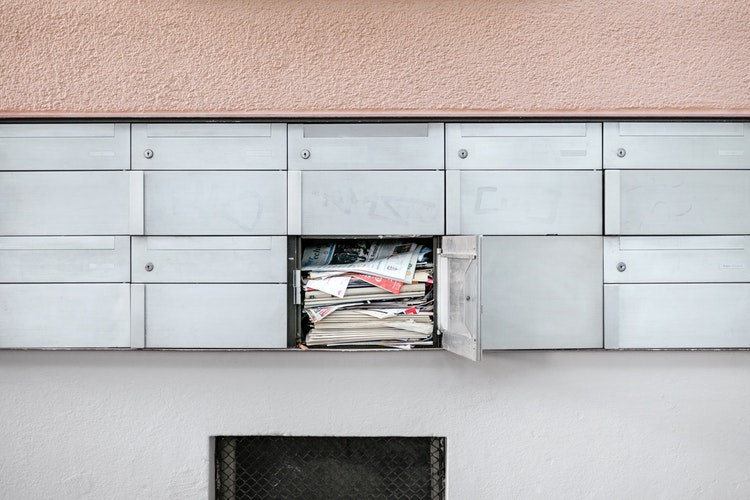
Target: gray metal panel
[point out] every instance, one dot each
(65, 259)
(65, 146)
(459, 297)
(568, 146)
(211, 259)
(541, 292)
(674, 316)
(137, 316)
(216, 316)
(64, 315)
(366, 146)
(215, 203)
(530, 202)
(681, 145)
(209, 146)
(372, 203)
(64, 203)
(674, 259)
(689, 202)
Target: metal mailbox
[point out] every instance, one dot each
(541, 292)
(366, 146)
(64, 259)
(209, 316)
(366, 203)
(676, 145)
(235, 259)
(522, 146)
(64, 315)
(677, 316)
(65, 146)
(676, 292)
(64, 203)
(209, 146)
(211, 203)
(523, 202)
(677, 202)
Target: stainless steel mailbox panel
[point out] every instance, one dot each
(665, 202)
(64, 259)
(209, 146)
(238, 259)
(366, 146)
(674, 259)
(499, 146)
(215, 203)
(687, 316)
(680, 145)
(541, 292)
(530, 202)
(459, 299)
(366, 203)
(64, 203)
(64, 315)
(65, 146)
(216, 316)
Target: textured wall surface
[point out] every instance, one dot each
(364, 57)
(563, 425)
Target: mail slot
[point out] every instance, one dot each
(366, 146)
(212, 315)
(65, 146)
(64, 315)
(541, 292)
(64, 203)
(523, 202)
(64, 259)
(677, 316)
(675, 259)
(366, 203)
(676, 145)
(209, 146)
(677, 202)
(521, 146)
(237, 259)
(214, 203)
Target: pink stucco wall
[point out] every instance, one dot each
(369, 57)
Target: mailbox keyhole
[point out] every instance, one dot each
(149, 267)
(621, 267)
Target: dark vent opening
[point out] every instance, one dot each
(284, 467)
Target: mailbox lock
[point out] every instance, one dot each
(621, 152)
(468, 297)
(149, 267)
(462, 153)
(621, 267)
(149, 153)
(305, 154)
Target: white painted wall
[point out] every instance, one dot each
(136, 425)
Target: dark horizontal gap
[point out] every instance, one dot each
(291, 118)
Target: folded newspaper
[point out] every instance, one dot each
(388, 259)
(365, 292)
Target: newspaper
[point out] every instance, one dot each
(394, 260)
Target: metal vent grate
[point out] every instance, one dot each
(283, 467)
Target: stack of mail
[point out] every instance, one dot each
(368, 293)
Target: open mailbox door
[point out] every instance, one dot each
(458, 299)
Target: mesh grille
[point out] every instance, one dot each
(283, 467)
